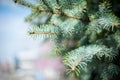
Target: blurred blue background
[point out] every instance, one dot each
(13, 29)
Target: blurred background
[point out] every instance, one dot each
(22, 57)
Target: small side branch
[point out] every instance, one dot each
(24, 3)
(60, 13)
(43, 33)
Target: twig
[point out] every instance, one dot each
(42, 33)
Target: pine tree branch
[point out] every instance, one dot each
(42, 33)
(40, 9)
(59, 13)
(69, 19)
(79, 57)
(25, 4)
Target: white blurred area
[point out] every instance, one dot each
(21, 57)
(30, 64)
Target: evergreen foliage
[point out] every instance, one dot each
(87, 36)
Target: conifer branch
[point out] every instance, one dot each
(59, 13)
(42, 33)
(24, 4)
(79, 40)
(80, 56)
(40, 9)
